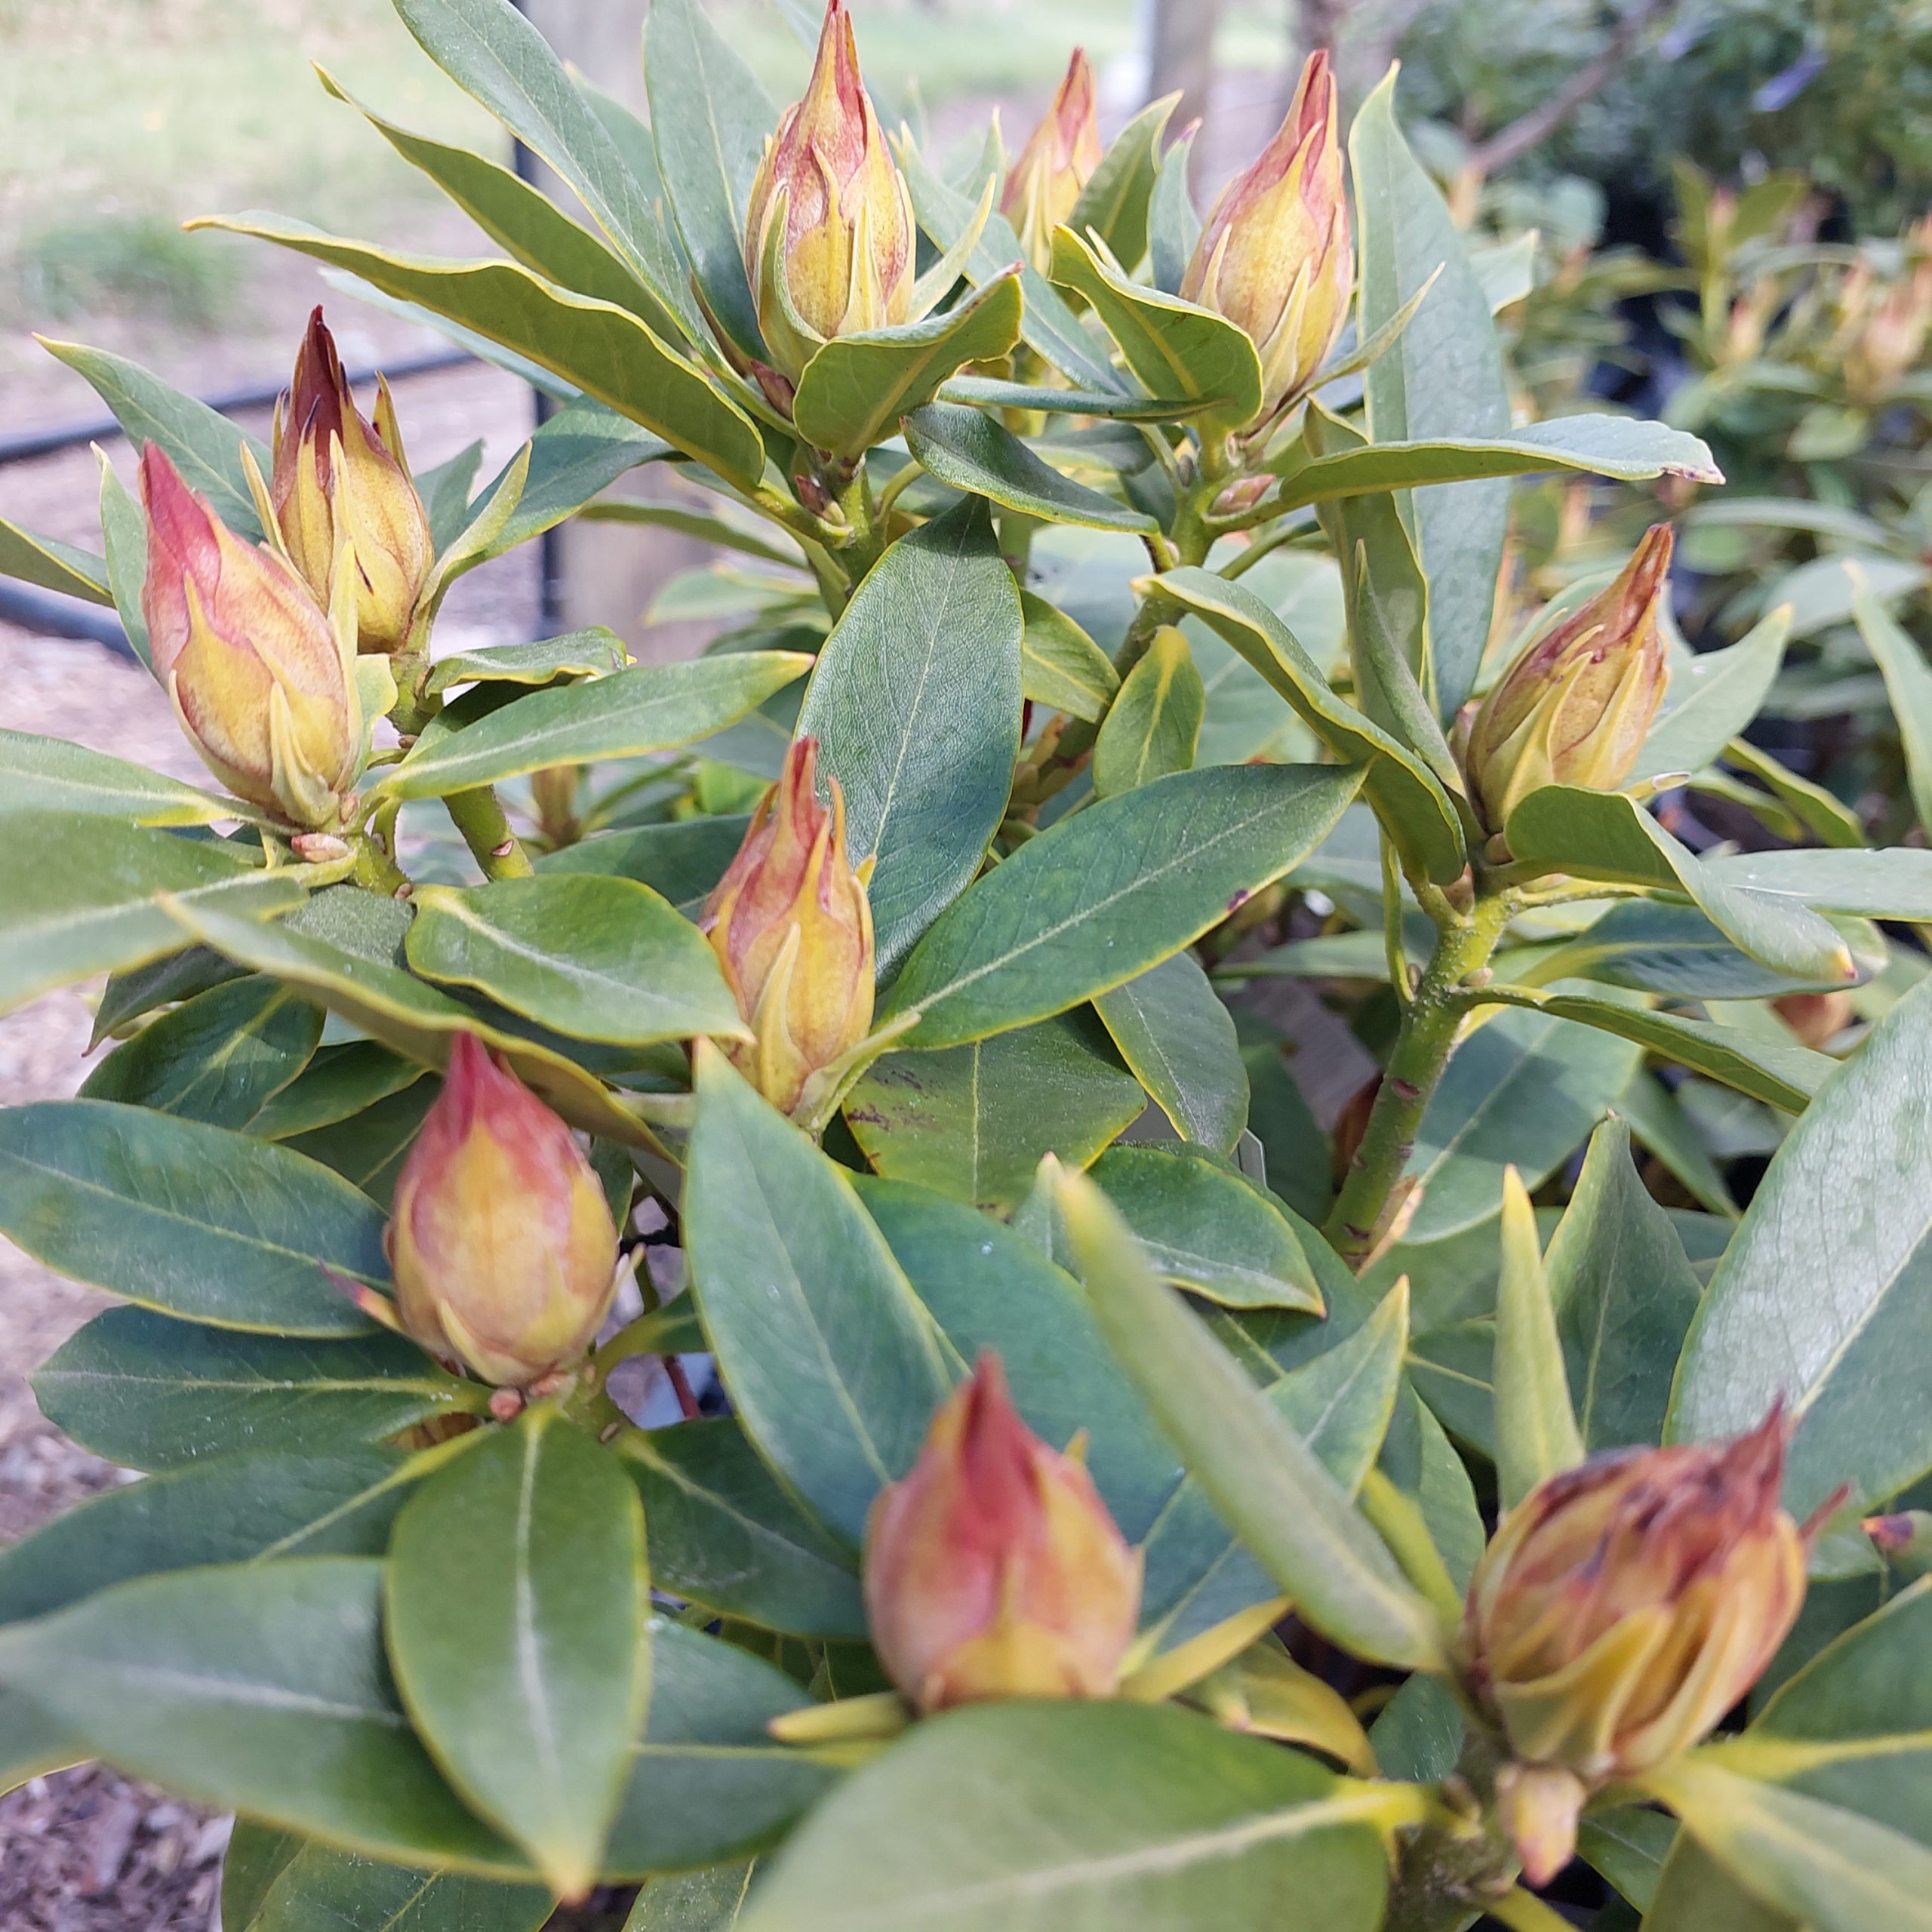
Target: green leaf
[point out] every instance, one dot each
(43, 774)
(591, 654)
(1172, 225)
(1616, 446)
(649, 708)
(966, 447)
(1407, 797)
(1908, 684)
(1174, 348)
(80, 894)
(709, 117)
(218, 1057)
(1101, 896)
(1521, 1091)
(124, 536)
(1694, 1893)
(493, 53)
(985, 392)
(1154, 725)
(235, 1509)
(598, 959)
(604, 350)
(1896, 884)
(1260, 1474)
(205, 446)
(1443, 378)
(1604, 834)
(257, 1685)
(581, 449)
(1062, 667)
(1114, 203)
(1205, 1228)
(829, 1359)
(1000, 1819)
(514, 1608)
(711, 1900)
(1628, 1845)
(369, 1149)
(187, 1219)
(1180, 1042)
(682, 860)
(915, 704)
(1711, 697)
(318, 1889)
(972, 1122)
(1537, 1433)
(725, 1534)
(153, 1393)
(52, 564)
(857, 387)
(1825, 1294)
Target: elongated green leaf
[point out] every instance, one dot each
(337, 1083)
(317, 1889)
(855, 389)
(990, 1820)
(1060, 666)
(188, 1219)
(1180, 1042)
(515, 1607)
(1115, 201)
(973, 1121)
(1825, 1291)
(46, 774)
(724, 1534)
(581, 449)
(260, 1685)
(1896, 884)
(604, 350)
(1694, 1893)
(52, 564)
(1536, 1434)
(1173, 347)
(367, 1148)
(915, 704)
(1710, 699)
(598, 958)
(712, 1900)
(155, 1393)
(1287, 1508)
(1153, 725)
(124, 536)
(682, 860)
(1172, 225)
(966, 447)
(1408, 798)
(81, 894)
(1628, 1845)
(1908, 683)
(491, 51)
(1112, 405)
(1099, 898)
(590, 654)
(831, 1362)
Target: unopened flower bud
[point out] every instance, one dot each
(261, 678)
(791, 926)
(501, 1241)
(1891, 342)
(1576, 705)
(993, 1569)
(1621, 1609)
(337, 479)
(829, 243)
(1277, 256)
(1817, 1019)
(1057, 161)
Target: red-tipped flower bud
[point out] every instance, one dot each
(993, 1569)
(1577, 704)
(502, 1243)
(1057, 161)
(1277, 256)
(262, 680)
(792, 928)
(829, 243)
(338, 479)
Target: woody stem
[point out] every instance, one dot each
(478, 816)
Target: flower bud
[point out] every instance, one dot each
(1624, 1607)
(829, 243)
(261, 679)
(1576, 705)
(1057, 161)
(337, 479)
(1277, 257)
(504, 1249)
(1890, 341)
(792, 928)
(993, 1569)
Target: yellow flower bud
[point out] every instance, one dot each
(501, 1241)
(993, 1569)
(1057, 161)
(1576, 705)
(261, 679)
(792, 928)
(829, 243)
(1277, 256)
(337, 480)
(1621, 1609)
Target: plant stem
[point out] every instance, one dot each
(1426, 1038)
(374, 869)
(1452, 1871)
(479, 817)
